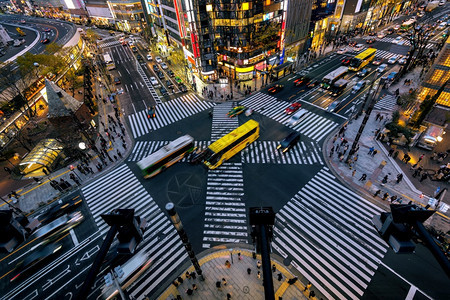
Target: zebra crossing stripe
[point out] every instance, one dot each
(327, 215)
(387, 103)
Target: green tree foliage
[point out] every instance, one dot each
(407, 99)
(395, 117)
(395, 130)
(91, 35)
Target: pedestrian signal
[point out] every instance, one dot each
(119, 271)
(108, 279)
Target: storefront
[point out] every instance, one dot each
(44, 155)
(282, 71)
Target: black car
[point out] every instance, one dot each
(275, 89)
(155, 68)
(169, 84)
(197, 156)
(370, 41)
(288, 142)
(301, 81)
(170, 73)
(363, 72)
(45, 41)
(390, 31)
(35, 261)
(163, 91)
(346, 61)
(139, 57)
(183, 88)
(160, 75)
(312, 83)
(58, 210)
(151, 112)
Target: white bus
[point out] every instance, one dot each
(166, 156)
(109, 62)
(334, 76)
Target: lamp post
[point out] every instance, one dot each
(170, 208)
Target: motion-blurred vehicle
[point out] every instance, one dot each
(381, 68)
(392, 60)
(301, 81)
(275, 89)
(346, 61)
(299, 116)
(35, 261)
(293, 108)
(45, 41)
(377, 62)
(288, 142)
(363, 72)
(151, 112)
(359, 85)
(58, 227)
(58, 209)
(333, 106)
(312, 83)
(235, 111)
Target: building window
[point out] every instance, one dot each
(209, 7)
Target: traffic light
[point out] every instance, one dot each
(108, 279)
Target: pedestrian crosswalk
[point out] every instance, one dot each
(121, 189)
(384, 54)
(167, 113)
(394, 40)
(259, 152)
(313, 126)
(225, 212)
(109, 44)
(221, 123)
(327, 230)
(388, 102)
(265, 152)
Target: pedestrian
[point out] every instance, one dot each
(180, 280)
(188, 276)
(224, 281)
(175, 283)
(239, 256)
(274, 268)
(355, 158)
(308, 286)
(8, 170)
(292, 280)
(374, 152)
(399, 177)
(119, 154)
(218, 285)
(258, 264)
(228, 264)
(249, 271)
(363, 177)
(15, 195)
(395, 154)
(194, 287)
(385, 196)
(377, 193)
(311, 294)
(423, 177)
(228, 296)
(280, 276)
(341, 157)
(353, 173)
(371, 150)
(335, 138)
(194, 275)
(332, 151)
(189, 292)
(258, 275)
(391, 152)
(381, 118)
(377, 117)
(420, 158)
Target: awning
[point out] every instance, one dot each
(43, 155)
(281, 67)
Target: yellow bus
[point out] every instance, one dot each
(361, 60)
(229, 145)
(166, 156)
(20, 31)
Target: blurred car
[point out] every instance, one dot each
(275, 89)
(292, 108)
(151, 112)
(170, 73)
(116, 80)
(134, 49)
(182, 88)
(346, 61)
(160, 75)
(45, 41)
(333, 106)
(397, 40)
(377, 61)
(363, 72)
(149, 57)
(381, 68)
(163, 91)
(158, 59)
(35, 261)
(139, 57)
(288, 142)
(402, 61)
(301, 81)
(153, 81)
(22, 21)
(164, 66)
(341, 51)
(359, 85)
(391, 76)
(237, 110)
(396, 27)
(312, 83)
(47, 29)
(392, 60)
(381, 35)
(58, 227)
(169, 84)
(358, 47)
(178, 80)
(352, 43)
(197, 157)
(131, 43)
(370, 41)
(390, 30)
(59, 209)
(155, 68)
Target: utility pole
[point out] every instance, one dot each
(371, 99)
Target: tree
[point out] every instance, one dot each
(407, 99)
(91, 35)
(418, 37)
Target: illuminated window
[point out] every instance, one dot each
(209, 7)
(267, 2)
(245, 6)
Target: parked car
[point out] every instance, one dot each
(358, 86)
(160, 75)
(288, 142)
(381, 68)
(139, 57)
(164, 66)
(293, 108)
(275, 89)
(155, 68)
(153, 81)
(363, 72)
(149, 57)
(163, 91)
(158, 59)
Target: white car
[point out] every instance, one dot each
(359, 85)
(164, 66)
(397, 40)
(381, 35)
(341, 51)
(131, 43)
(153, 81)
(381, 68)
(149, 57)
(359, 47)
(396, 27)
(158, 59)
(442, 2)
(392, 60)
(402, 61)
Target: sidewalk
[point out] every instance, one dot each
(239, 284)
(378, 166)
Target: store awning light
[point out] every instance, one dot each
(209, 7)
(245, 6)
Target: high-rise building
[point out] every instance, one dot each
(438, 76)
(99, 12)
(321, 25)
(354, 14)
(128, 15)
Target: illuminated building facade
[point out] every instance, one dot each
(354, 14)
(438, 76)
(128, 15)
(321, 25)
(99, 12)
